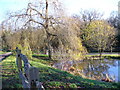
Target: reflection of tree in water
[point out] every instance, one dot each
(95, 68)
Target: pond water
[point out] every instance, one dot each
(98, 69)
(94, 69)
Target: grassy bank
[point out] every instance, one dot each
(2, 52)
(49, 76)
(104, 55)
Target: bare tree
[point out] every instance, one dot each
(87, 16)
(36, 15)
(113, 19)
(58, 30)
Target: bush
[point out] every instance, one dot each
(25, 50)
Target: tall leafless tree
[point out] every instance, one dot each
(36, 15)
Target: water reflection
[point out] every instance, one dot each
(119, 71)
(97, 69)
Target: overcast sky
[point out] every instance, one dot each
(73, 6)
(104, 6)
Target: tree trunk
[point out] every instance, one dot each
(47, 28)
(49, 51)
(100, 55)
(111, 49)
(100, 51)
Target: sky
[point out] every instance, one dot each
(72, 6)
(103, 6)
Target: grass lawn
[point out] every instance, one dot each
(2, 52)
(106, 55)
(49, 76)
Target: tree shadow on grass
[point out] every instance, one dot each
(41, 57)
(57, 77)
(11, 82)
(44, 59)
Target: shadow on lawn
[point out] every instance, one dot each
(43, 57)
(11, 82)
(56, 78)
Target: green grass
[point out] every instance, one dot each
(10, 73)
(105, 55)
(2, 52)
(40, 55)
(49, 76)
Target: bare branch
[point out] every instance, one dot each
(34, 22)
(36, 11)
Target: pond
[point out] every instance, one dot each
(94, 69)
(98, 69)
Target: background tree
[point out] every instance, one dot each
(83, 21)
(69, 42)
(99, 35)
(114, 20)
(87, 16)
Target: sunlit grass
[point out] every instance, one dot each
(1, 52)
(105, 55)
(42, 55)
(9, 73)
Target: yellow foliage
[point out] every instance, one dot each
(25, 49)
(98, 34)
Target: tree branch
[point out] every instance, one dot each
(36, 11)
(34, 22)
